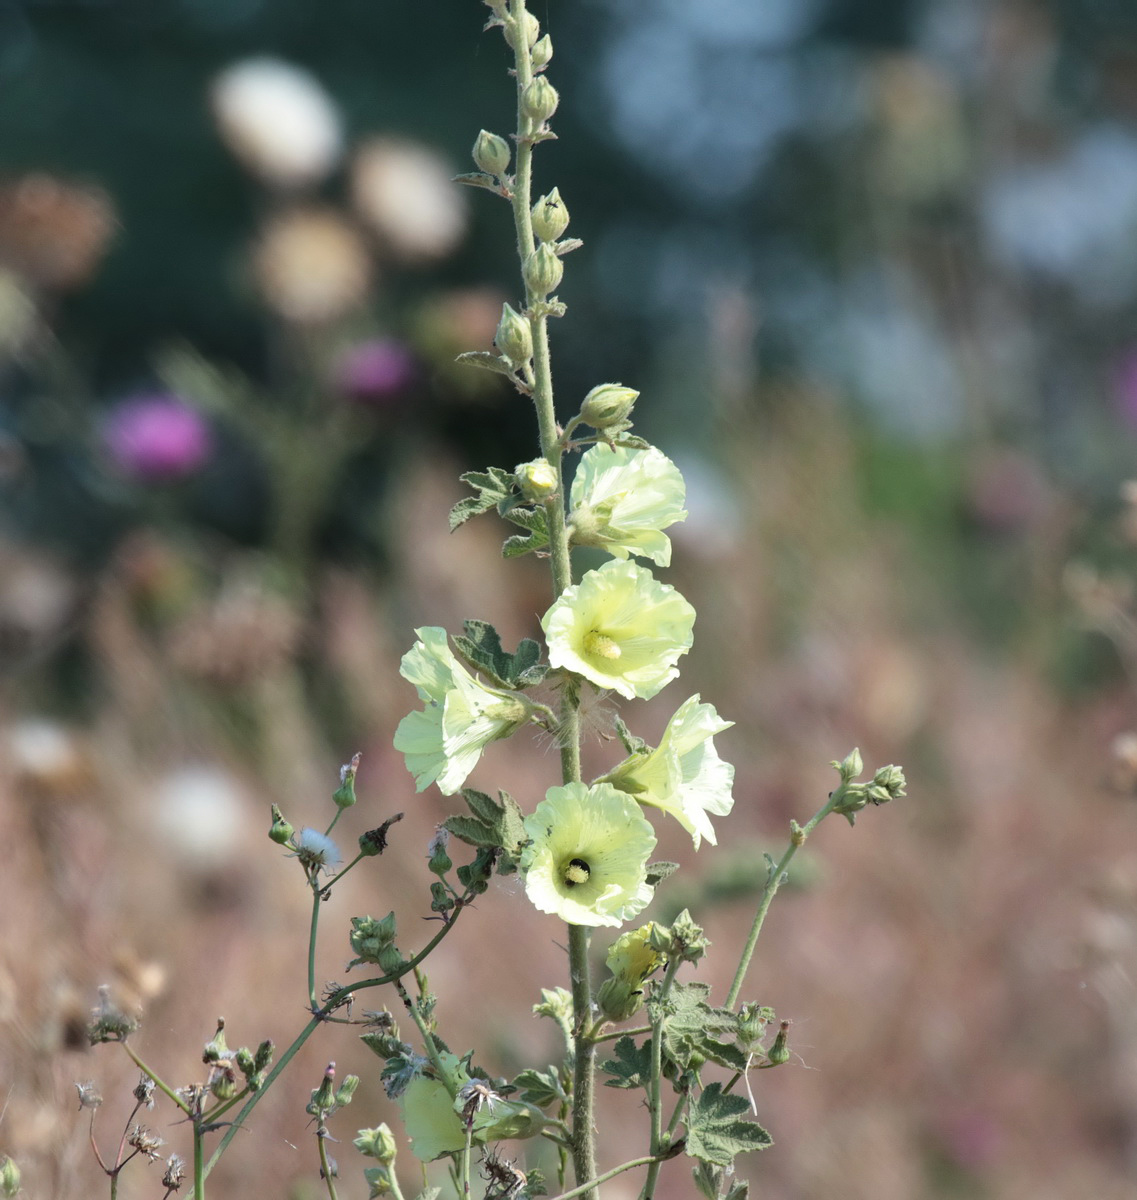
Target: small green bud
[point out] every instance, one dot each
(539, 100)
(608, 405)
(9, 1176)
(440, 899)
(491, 153)
(779, 1052)
(369, 938)
(542, 53)
(324, 1097)
(346, 1090)
(536, 480)
(531, 26)
(224, 1083)
(850, 767)
(344, 795)
(246, 1064)
(514, 337)
(688, 942)
(619, 999)
(264, 1054)
(280, 830)
(216, 1051)
(378, 1143)
(752, 1021)
(550, 216)
(887, 784)
(543, 270)
(438, 860)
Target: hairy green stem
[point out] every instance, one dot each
(325, 1162)
(158, 1082)
(773, 882)
(655, 1089)
(592, 1184)
(583, 1137)
(199, 1168)
(318, 1018)
(312, 930)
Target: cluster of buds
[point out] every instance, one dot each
(888, 783)
(684, 941)
(327, 1097)
(224, 1063)
(374, 942)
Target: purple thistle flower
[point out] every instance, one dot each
(156, 437)
(376, 370)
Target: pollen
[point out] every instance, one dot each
(577, 871)
(600, 645)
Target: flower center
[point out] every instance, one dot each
(600, 645)
(577, 871)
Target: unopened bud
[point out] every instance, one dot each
(887, 784)
(539, 100)
(264, 1053)
(850, 766)
(514, 337)
(607, 405)
(280, 830)
(370, 937)
(779, 1052)
(491, 153)
(688, 941)
(223, 1085)
(536, 480)
(531, 27)
(438, 861)
(543, 270)
(542, 52)
(550, 216)
(619, 999)
(246, 1064)
(9, 1176)
(346, 1090)
(378, 1143)
(216, 1050)
(344, 795)
(324, 1097)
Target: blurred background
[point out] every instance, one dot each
(874, 269)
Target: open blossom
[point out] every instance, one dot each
(443, 743)
(587, 861)
(620, 628)
(683, 775)
(622, 499)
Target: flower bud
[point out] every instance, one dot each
(531, 27)
(536, 480)
(223, 1085)
(324, 1098)
(216, 1050)
(851, 766)
(887, 784)
(280, 830)
(378, 1143)
(346, 1090)
(514, 337)
(438, 861)
(550, 216)
(619, 999)
(344, 795)
(779, 1052)
(9, 1177)
(245, 1061)
(607, 405)
(491, 153)
(688, 942)
(539, 100)
(542, 52)
(369, 938)
(752, 1021)
(543, 270)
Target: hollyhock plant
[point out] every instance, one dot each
(587, 860)
(623, 498)
(157, 437)
(683, 775)
(443, 742)
(621, 629)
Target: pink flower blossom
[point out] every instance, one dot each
(155, 437)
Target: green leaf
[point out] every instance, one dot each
(484, 807)
(480, 180)
(481, 648)
(511, 828)
(693, 1030)
(493, 487)
(631, 743)
(716, 1130)
(470, 830)
(485, 360)
(567, 246)
(658, 871)
(519, 544)
(541, 1088)
(631, 1066)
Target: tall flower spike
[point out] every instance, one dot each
(587, 861)
(683, 775)
(442, 744)
(622, 499)
(621, 629)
